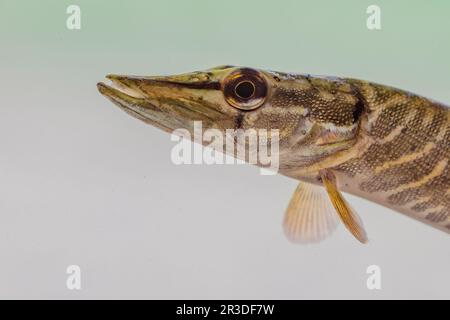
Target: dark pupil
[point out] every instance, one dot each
(245, 89)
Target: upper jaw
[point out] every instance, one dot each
(120, 93)
(135, 105)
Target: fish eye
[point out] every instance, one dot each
(245, 89)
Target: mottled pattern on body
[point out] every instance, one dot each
(407, 163)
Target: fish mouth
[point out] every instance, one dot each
(132, 101)
(168, 103)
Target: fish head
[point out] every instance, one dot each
(175, 102)
(313, 117)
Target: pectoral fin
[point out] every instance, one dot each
(310, 216)
(348, 216)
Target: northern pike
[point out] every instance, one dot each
(336, 134)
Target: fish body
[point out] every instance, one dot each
(404, 163)
(335, 134)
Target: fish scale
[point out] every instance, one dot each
(427, 172)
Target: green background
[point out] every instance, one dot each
(319, 37)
